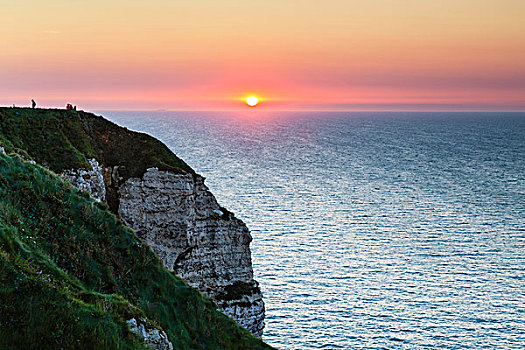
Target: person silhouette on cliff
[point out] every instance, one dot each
(33, 104)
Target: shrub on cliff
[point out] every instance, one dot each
(64, 139)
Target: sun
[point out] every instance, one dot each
(252, 101)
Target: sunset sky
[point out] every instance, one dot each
(210, 54)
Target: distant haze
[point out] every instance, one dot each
(310, 54)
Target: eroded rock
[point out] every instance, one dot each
(153, 338)
(177, 215)
(201, 242)
(89, 180)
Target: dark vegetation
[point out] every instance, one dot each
(238, 289)
(71, 274)
(64, 139)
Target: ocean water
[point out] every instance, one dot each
(371, 230)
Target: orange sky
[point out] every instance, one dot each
(209, 54)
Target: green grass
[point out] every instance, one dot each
(64, 139)
(71, 274)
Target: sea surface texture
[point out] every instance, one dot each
(371, 230)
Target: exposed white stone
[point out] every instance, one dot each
(182, 222)
(153, 338)
(89, 180)
(205, 245)
(2, 150)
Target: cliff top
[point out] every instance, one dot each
(64, 139)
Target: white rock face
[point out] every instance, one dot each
(153, 338)
(201, 242)
(181, 220)
(91, 181)
(2, 150)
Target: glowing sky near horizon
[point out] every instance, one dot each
(210, 54)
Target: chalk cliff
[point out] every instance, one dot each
(73, 276)
(153, 192)
(203, 243)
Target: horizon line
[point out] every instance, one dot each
(259, 110)
(255, 110)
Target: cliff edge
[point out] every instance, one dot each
(72, 276)
(153, 192)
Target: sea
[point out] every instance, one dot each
(370, 230)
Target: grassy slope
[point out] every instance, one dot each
(71, 273)
(62, 139)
